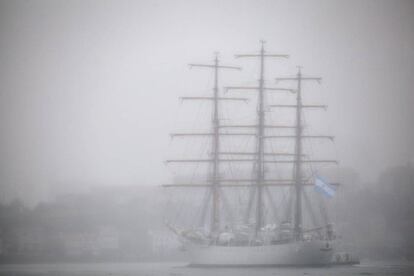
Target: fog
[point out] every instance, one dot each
(89, 92)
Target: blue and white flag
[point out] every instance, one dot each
(324, 187)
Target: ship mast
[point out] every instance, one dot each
(214, 176)
(298, 161)
(260, 145)
(215, 215)
(260, 128)
(298, 178)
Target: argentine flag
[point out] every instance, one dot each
(323, 187)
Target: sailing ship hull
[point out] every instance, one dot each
(300, 253)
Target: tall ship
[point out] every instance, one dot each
(262, 212)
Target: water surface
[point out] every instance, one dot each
(181, 269)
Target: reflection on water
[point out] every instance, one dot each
(180, 269)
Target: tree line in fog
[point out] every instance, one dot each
(125, 223)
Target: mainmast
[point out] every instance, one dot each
(260, 129)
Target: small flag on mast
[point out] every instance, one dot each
(324, 187)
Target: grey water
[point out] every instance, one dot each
(181, 269)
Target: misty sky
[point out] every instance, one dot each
(88, 89)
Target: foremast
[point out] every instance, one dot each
(214, 176)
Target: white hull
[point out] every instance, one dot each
(300, 253)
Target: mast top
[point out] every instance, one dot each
(216, 55)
